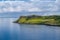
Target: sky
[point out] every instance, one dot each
(29, 6)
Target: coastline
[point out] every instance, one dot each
(38, 24)
(53, 20)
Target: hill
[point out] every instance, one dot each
(35, 19)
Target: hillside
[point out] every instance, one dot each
(35, 19)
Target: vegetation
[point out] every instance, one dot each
(35, 19)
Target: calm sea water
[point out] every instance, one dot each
(14, 31)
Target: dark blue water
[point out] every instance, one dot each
(13, 31)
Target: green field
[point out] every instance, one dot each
(35, 19)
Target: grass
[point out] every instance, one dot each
(53, 20)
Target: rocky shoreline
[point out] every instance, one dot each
(39, 24)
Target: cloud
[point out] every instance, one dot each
(34, 9)
(17, 6)
(32, 6)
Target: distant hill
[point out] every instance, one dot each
(17, 14)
